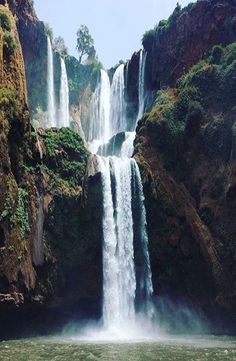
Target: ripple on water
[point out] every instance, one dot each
(57, 349)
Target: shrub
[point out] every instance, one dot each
(5, 22)
(149, 37)
(216, 55)
(9, 43)
(194, 117)
(21, 217)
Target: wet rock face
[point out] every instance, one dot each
(186, 38)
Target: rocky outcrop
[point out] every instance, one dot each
(34, 46)
(186, 37)
(47, 222)
(16, 189)
(184, 147)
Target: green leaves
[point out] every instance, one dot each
(85, 43)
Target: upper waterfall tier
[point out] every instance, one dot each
(108, 113)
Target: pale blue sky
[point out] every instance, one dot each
(117, 26)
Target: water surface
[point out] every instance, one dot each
(182, 349)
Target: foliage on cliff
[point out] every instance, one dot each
(176, 44)
(65, 160)
(186, 150)
(202, 97)
(16, 210)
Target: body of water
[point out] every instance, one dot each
(182, 349)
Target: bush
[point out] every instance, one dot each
(66, 159)
(194, 118)
(21, 216)
(9, 43)
(5, 22)
(216, 55)
(149, 37)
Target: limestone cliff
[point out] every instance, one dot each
(42, 174)
(16, 191)
(179, 42)
(186, 147)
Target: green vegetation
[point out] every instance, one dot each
(15, 208)
(60, 47)
(66, 159)
(9, 43)
(5, 22)
(8, 40)
(80, 76)
(202, 94)
(85, 44)
(152, 35)
(21, 216)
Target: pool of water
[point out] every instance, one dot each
(182, 349)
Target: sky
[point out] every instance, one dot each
(117, 26)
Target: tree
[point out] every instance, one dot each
(60, 47)
(85, 43)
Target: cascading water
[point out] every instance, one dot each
(119, 283)
(123, 284)
(64, 117)
(141, 87)
(108, 110)
(127, 147)
(50, 82)
(144, 289)
(99, 132)
(118, 120)
(127, 278)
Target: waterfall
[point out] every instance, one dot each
(99, 132)
(64, 117)
(124, 284)
(51, 93)
(119, 282)
(141, 83)
(127, 277)
(117, 103)
(144, 289)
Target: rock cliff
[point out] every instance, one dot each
(185, 147)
